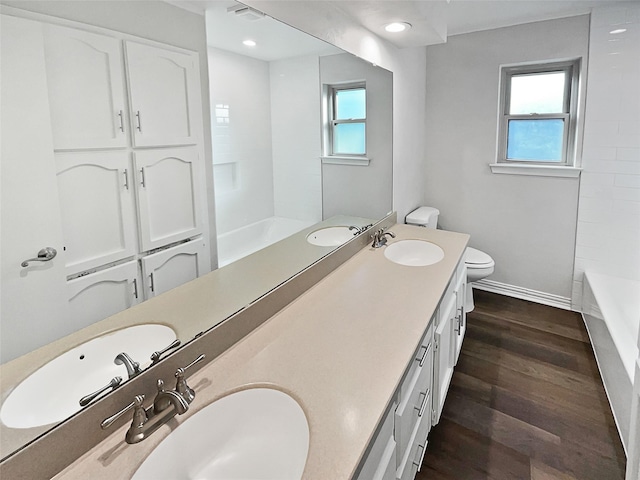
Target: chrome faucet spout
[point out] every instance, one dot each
(133, 367)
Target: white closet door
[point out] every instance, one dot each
(33, 299)
(164, 92)
(99, 295)
(174, 266)
(169, 195)
(97, 203)
(86, 89)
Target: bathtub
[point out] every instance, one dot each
(245, 240)
(611, 312)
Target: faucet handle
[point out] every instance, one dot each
(155, 356)
(139, 414)
(181, 383)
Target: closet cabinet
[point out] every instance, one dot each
(170, 203)
(97, 203)
(172, 267)
(164, 96)
(86, 89)
(101, 294)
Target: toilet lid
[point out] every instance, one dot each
(476, 257)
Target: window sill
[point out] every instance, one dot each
(535, 170)
(358, 161)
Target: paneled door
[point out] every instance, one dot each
(86, 89)
(101, 294)
(98, 208)
(174, 266)
(164, 96)
(169, 187)
(33, 300)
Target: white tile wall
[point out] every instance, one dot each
(608, 233)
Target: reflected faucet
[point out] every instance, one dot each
(359, 230)
(133, 367)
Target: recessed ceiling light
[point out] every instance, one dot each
(249, 43)
(397, 27)
(619, 30)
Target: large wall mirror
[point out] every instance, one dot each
(274, 180)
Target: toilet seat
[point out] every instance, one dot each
(477, 259)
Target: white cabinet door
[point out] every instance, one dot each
(33, 299)
(169, 195)
(97, 203)
(86, 89)
(460, 315)
(164, 96)
(99, 295)
(444, 355)
(174, 266)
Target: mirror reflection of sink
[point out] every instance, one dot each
(260, 433)
(52, 393)
(414, 253)
(330, 236)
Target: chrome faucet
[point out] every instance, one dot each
(359, 230)
(166, 405)
(133, 367)
(380, 238)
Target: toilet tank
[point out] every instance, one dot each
(423, 217)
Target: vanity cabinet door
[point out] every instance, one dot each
(86, 89)
(173, 266)
(30, 221)
(461, 314)
(101, 294)
(98, 205)
(164, 95)
(444, 355)
(169, 185)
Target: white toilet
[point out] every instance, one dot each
(479, 264)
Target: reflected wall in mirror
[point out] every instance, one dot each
(278, 166)
(269, 104)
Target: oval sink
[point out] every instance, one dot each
(258, 433)
(414, 253)
(42, 399)
(330, 236)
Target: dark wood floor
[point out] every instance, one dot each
(526, 401)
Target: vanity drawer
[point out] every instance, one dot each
(418, 360)
(387, 467)
(374, 463)
(412, 460)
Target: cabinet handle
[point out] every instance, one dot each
(125, 173)
(424, 403)
(151, 286)
(121, 121)
(417, 464)
(135, 287)
(142, 181)
(426, 354)
(138, 121)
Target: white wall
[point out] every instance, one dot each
(295, 123)
(242, 160)
(527, 224)
(361, 191)
(608, 238)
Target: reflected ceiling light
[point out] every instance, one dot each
(619, 30)
(249, 43)
(396, 27)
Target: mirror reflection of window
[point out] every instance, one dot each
(348, 120)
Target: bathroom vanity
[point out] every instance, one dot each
(367, 352)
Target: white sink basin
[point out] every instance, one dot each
(52, 393)
(330, 236)
(255, 434)
(414, 253)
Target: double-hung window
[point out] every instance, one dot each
(347, 121)
(538, 114)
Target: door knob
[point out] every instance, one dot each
(44, 255)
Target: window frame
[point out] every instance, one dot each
(571, 68)
(332, 121)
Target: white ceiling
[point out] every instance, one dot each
(432, 20)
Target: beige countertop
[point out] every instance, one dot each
(340, 350)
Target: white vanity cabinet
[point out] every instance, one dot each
(101, 294)
(173, 266)
(170, 195)
(164, 94)
(86, 89)
(96, 194)
(380, 463)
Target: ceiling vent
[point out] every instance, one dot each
(245, 12)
